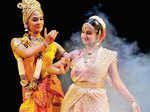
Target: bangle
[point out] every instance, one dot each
(35, 80)
(33, 84)
(24, 83)
(40, 55)
(65, 54)
(132, 100)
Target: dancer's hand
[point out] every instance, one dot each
(62, 69)
(50, 37)
(135, 107)
(66, 64)
(33, 84)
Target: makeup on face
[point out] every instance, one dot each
(88, 34)
(36, 22)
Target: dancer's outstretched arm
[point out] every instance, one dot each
(120, 86)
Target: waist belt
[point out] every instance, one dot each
(88, 85)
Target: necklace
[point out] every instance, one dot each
(36, 40)
(40, 38)
(89, 57)
(33, 38)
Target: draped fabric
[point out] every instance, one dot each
(87, 93)
(49, 94)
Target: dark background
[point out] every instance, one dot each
(129, 18)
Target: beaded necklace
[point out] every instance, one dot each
(89, 57)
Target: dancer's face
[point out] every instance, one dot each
(88, 34)
(36, 22)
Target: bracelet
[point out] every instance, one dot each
(24, 83)
(40, 55)
(132, 100)
(65, 54)
(35, 80)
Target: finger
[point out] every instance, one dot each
(45, 32)
(56, 33)
(52, 31)
(62, 69)
(67, 68)
(51, 34)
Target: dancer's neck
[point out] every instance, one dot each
(35, 35)
(91, 47)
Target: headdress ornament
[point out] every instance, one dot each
(99, 25)
(28, 7)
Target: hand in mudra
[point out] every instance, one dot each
(50, 37)
(64, 65)
(135, 107)
(32, 85)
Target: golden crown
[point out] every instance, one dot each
(28, 7)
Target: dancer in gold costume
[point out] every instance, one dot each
(91, 67)
(41, 89)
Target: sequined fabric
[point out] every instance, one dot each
(87, 93)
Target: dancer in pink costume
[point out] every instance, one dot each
(91, 67)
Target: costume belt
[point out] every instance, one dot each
(86, 84)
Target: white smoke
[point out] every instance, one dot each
(134, 69)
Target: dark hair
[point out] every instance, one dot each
(95, 24)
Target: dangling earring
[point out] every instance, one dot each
(26, 30)
(98, 38)
(97, 43)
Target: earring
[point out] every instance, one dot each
(97, 43)
(26, 30)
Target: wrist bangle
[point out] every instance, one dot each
(33, 84)
(24, 83)
(132, 100)
(35, 80)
